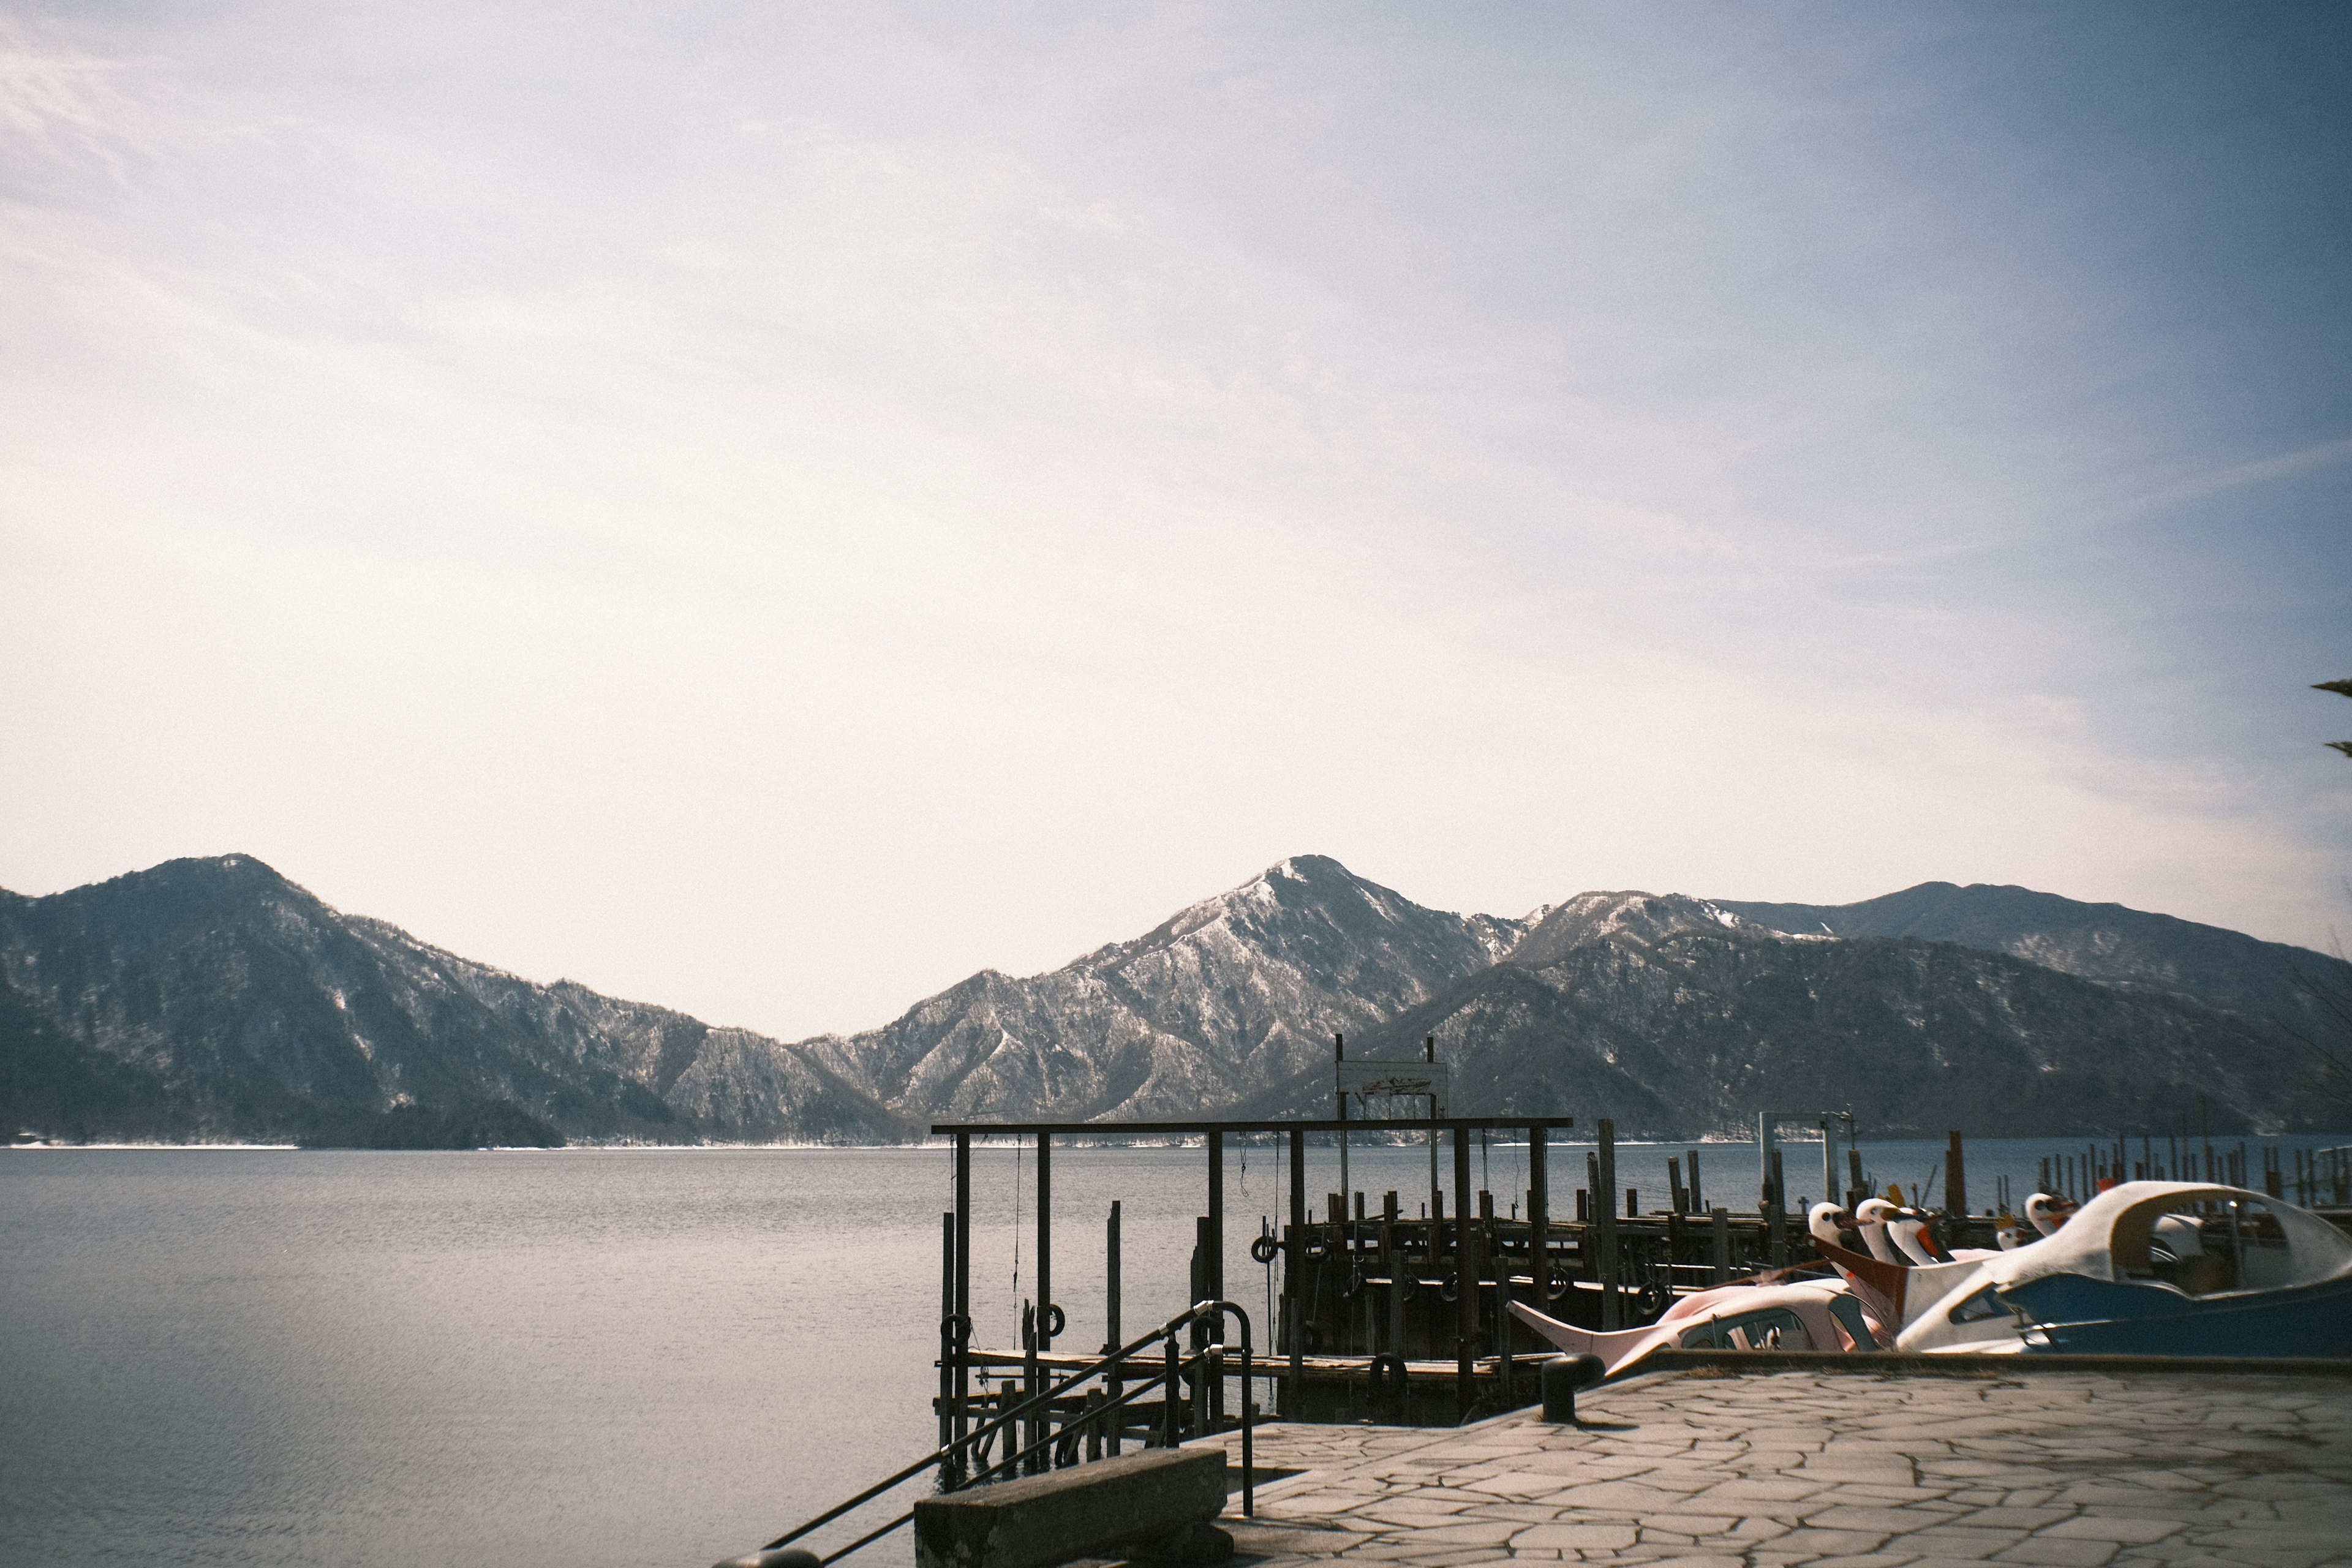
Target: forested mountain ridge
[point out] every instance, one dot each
(2110, 943)
(1673, 1026)
(214, 999)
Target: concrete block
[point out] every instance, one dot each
(1154, 1505)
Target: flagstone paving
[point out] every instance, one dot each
(1837, 1471)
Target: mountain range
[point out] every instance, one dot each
(213, 999)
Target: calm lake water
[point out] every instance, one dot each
(579, 1357)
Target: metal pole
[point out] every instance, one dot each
(964, 1301)
(1215, 1242)
(1539, 1215)
(1339, 1087)
(1115, 1384)
(1044, 1243)
(1429, 1054)
(1465, 1279)
(1173, 1407)
(1604, 1222)
(947, 1330)
(1291, 1270)
(1213, 1266)
(1829, 1160)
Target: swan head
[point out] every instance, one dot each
(2048, 1213)
(1828, 1223)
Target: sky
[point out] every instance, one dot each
(769, 508)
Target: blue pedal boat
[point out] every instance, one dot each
(2182, 1269)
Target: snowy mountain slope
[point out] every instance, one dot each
(1224, 997)
(215, 999)
(1688, 1030)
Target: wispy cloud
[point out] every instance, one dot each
(642, 496)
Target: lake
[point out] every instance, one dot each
(578, 1357)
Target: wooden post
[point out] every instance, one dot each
(1429, 1054)
(1720, 1224)
(1037, 1424)
(1776, 1214)
(1214, 1277)
(1340, 1054)
(1116, 1383)
(1500, 1259)
(1539, 1215)
(1675, 1196)
(1044, 1243)
(964, 1301)
(1956, 1179)
(1829, 1159)
(1854, 1194)
(1293, 1265)
(1697, 1198)
(947, 1338)
(1172, 1409)
(1604, 1223)
(1465, 1279)
(1208, 1392)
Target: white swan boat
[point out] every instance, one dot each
(2145, 1268)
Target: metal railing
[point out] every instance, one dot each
(954, 1460)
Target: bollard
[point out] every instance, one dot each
(1562, 1376)
(774, 1557)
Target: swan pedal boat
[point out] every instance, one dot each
(2178, 1268)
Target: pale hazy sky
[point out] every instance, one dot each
(768, 509)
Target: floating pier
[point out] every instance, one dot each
(1460, 1265)
(1382, 1315)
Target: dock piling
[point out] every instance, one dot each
(1044, 1242)
(1604, 1223)
(963, 1303)
(1214, 1242)
(947, 1328)
(1114, 1383)
(1539, 1215)
(1465, 1278)
(1291, 1270)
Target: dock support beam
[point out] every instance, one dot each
(1045, 1243)
(1215, 1276)
(1291, 1269)
(947, 1336)
(1115, 1383)
(1604, 1224)
(1539, 1222)
(1466, 1280)
(964, 1303)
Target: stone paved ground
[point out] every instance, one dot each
(1838, 1470)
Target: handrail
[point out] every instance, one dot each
(959, 1447)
